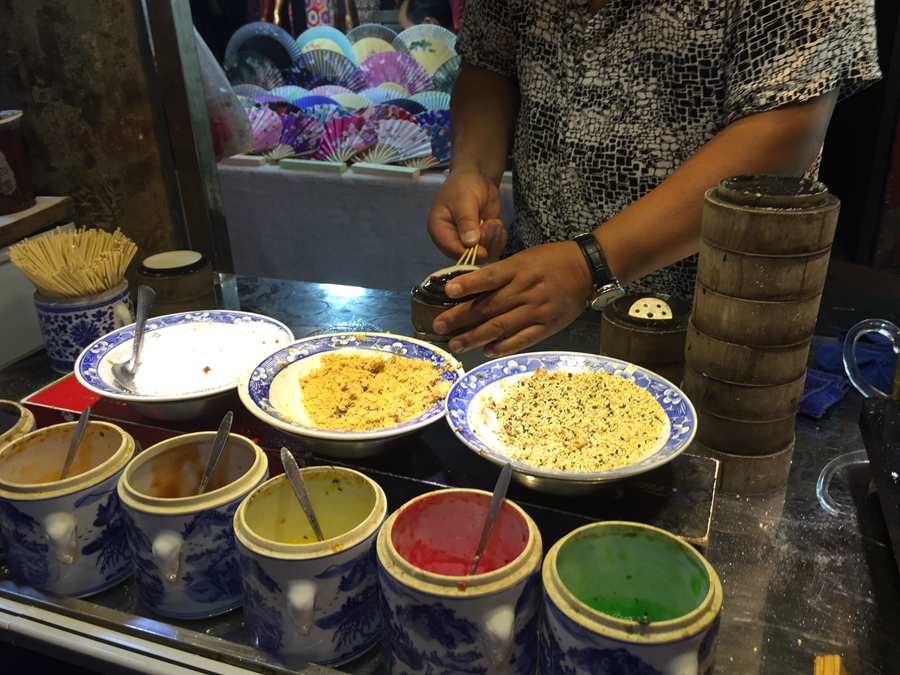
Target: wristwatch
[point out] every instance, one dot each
(606, 287)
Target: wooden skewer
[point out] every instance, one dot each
(470, 255)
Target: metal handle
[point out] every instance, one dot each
(145, 298)
(823, 485)
(851, 366)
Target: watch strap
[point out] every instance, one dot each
(596, 260)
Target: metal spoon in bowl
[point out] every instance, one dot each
(216, 450)
(292, 471)
(74, 444)
(497, 498)
(123, 373)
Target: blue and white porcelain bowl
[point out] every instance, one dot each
(578, 638)
(186, 563)
(68, 325)
(271, 390)
(65, 537)
(471, 394)
(316, 601)
(190, 363)
(482, 623)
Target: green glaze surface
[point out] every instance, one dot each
(632, 574)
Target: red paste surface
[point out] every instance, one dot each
(440, 534)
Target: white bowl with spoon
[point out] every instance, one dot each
(190, 362)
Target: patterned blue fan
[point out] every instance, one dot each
(432, 100)
(378, 94)
(310, 101)
(325, 37)
(290, 91)
(320, 67)
(437, 123)
(254, 69)
(445, 76)
(410, 106)
(325, 111)
(264, 39)
(371, 30)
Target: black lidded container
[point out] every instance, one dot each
(428, 299)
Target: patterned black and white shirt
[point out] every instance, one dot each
(613, 102)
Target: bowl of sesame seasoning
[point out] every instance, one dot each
(570, 422)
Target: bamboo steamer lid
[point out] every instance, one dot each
(648, 329)
(183, 281)
(770, 215)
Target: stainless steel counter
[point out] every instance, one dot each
(798, 581)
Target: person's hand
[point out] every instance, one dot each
(523, 299)
(466, 199)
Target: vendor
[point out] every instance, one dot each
(620, 114)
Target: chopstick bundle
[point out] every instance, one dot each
(74, 263)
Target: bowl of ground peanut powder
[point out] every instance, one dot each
(349, 395)
(569, 422)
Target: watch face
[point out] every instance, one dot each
(606, 295)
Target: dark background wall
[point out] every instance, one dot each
(81, 72)
(860, 151)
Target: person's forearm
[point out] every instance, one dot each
(483, 109)
(664, 226)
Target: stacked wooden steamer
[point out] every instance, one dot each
(648, 329)
(764, 251)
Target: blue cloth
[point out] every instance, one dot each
(826, 381)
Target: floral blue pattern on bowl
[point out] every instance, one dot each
(348, 612)
(255, 389)
(678, 409)
(207, 579)
(569, 649)
(68, 326)
(441, 636)
(87, 368)
(97, 558)
(183, 543)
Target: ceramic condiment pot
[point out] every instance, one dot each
(439, 619)
(185, 558)
(65, 536)
(304, 599)
(630, 597)
(17, 422)
(20, 421)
